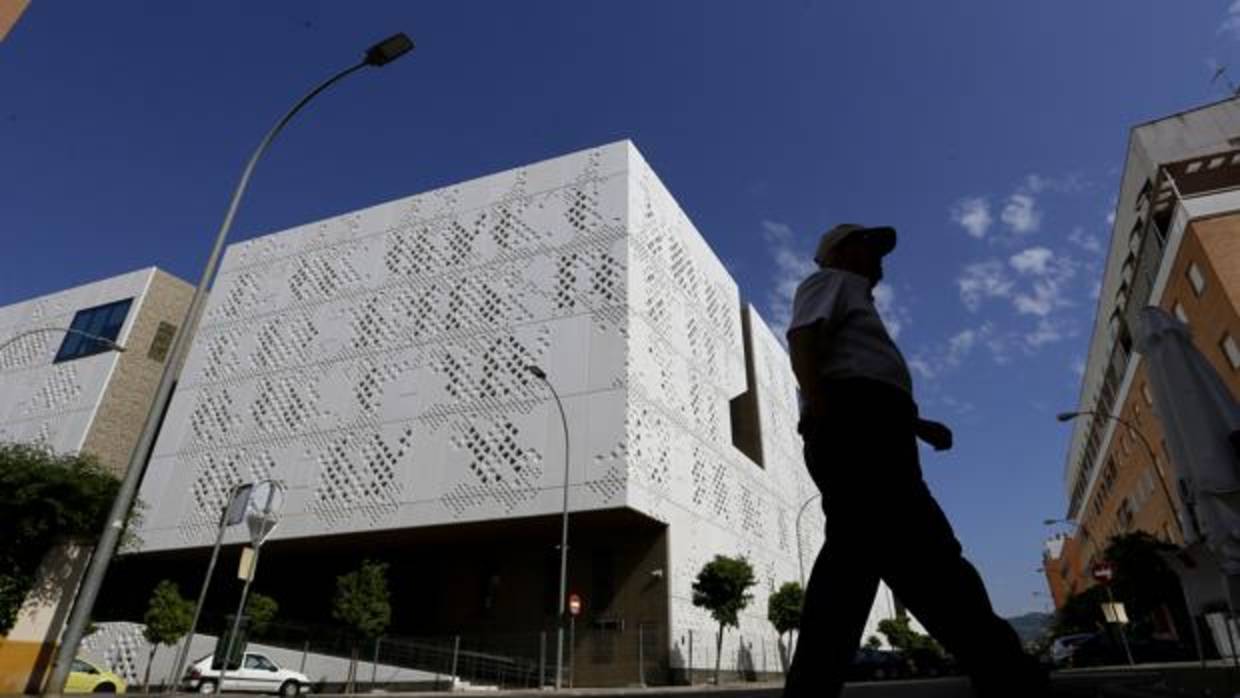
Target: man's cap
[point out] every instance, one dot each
(882, 237)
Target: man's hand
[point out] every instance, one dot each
(935, 434)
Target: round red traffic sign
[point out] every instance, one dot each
(1103, 573)
(574, 604)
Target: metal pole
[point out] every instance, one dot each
(374, 665)
(559, 641)
(1123, 637)
(542, 659)
(232, 635)
(690, 656)
(456, 653)
(112, 345)
(641, 655)
(800, 555)
(572, 646)
(178, 665)
(305, 651)
(1192, 620)
(106, 547)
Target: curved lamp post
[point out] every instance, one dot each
(111, 345)
(380, 54)
(1175, 512)
(800, 557)
(559, 630)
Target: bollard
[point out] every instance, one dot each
(456, 651)
(305, 651)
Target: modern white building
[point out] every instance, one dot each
(68, 393)
(375, 363)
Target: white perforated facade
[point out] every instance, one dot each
(374, 362)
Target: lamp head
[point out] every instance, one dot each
(389, 50)
(538, 372)
(1067, 416)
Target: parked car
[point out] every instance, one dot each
(1100, 649)
(256, 674)
(88, 677)
(1062, 647)
(875, 665)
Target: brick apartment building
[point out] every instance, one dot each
(1175, 244)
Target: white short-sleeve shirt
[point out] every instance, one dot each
(858, 345)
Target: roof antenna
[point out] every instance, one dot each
(1221, 72)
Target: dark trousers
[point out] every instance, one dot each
(883, 523)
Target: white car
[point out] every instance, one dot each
(257, 674)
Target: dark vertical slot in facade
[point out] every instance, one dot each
(746, 427)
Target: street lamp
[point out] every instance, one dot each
(378, 55)
(1052, 522)
(559, 630)
(800, 557)
(110, 344)
(1175, 513)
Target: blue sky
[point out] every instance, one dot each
(990, 133)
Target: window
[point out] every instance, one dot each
(1180, 312)
(1196, 278)
(102, 321)
(1230, 350)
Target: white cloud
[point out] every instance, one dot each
(1046, 332)
(894, 316)
(973, 214)
(1088, 242)
(792, 265)
(1095, 290)
(1020, 214)
(983, 280)
(1111, 217)
(921, 367)
(1231, 25)
(959, 346)
(1078, 367)
(1034, 260)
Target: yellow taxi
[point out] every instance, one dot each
(85, 677)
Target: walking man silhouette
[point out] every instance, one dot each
(860, 426)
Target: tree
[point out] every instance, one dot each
(168, 617)
(722, 587)
(783, 609)
(874, 642)
(45, 500)
(363, 604)
(923, 650)
(261, 610)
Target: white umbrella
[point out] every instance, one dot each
(1200, 418)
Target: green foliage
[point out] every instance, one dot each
(1080, 613)
(168, 615)
(900, 635)
(783, 608)
(261, 610)
(873, 642)
(362, 601)
(722, 587)
(45, 499)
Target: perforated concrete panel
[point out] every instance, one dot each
(53, 404)
(375, 363)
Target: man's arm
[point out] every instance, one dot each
(802, 348)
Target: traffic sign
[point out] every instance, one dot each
(574, 605)
(1103, 572)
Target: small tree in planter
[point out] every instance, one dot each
(364, 605)
(261, 610)
(167, 620)
(722, 587)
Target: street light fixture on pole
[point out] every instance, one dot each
(110, 344)
(380, 54)
(1052, 522)
(800, 556)
(559, 629)
(1175, 512)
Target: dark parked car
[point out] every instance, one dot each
(875, 665)
(1104, 650)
